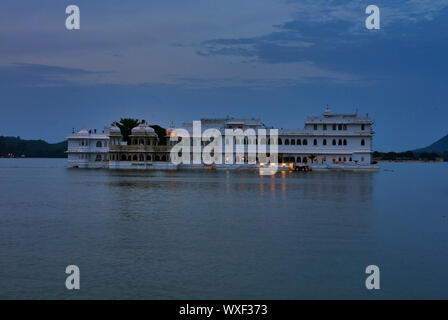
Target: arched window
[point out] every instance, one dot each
(363, 142)
(315, 142)
(334, 127)
(148, 157)
(293, 142)
(123, 157)
(363, 127)
(163, 158)
(305, 160)
(299, 160)
(279, 141)
(157, 158)
(141, 157)
(305, 142)
(287, 142)
(99, 144)
(129, 157)
(324, 142)
(334, 142)
(345, 142)
(340, 127)
(299, 142)
(345, 159)
(340, 142)
(350, 159)
(134, 158)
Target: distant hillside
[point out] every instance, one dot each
(439, 146)
(31, 148)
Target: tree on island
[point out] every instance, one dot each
(127, 124)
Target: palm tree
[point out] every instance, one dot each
(126, 125)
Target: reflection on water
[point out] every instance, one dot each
(222, 234)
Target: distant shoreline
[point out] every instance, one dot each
(438, 161)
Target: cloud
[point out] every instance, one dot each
(40, 75)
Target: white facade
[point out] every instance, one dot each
(88, 149)
(330, 141)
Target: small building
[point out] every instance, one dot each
(88, 149)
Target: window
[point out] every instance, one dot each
(340, 142)
(293, 142)
(363, 142)
(134, 157)
(305, 142)
(334, 127)
(148, 157)
(340, 127)
(299, 142)
(325, 127)
(315, 142)
(324, 142)
(345, 127)
(315, 127)
(363, 127)
(98, 144)
(362, 159)
(334, 142)
(287, 142)
(345, 142)
(279, 141)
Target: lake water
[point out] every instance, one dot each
(222, 235)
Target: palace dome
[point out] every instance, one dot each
(83, 132)
(114, 130)
(143, 129)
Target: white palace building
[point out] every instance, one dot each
(327, 142)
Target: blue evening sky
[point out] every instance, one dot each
(180, 60)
